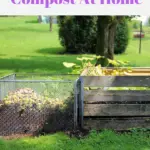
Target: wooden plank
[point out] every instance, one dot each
(117, 81)
(124, 95)
(116, 109)
(140, 74)
(117, 124)
(135, 69)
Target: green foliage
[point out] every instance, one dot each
(148, 21)
(88, 67)
(137, 130)
(105, 140)
(77, 34)
(121, 38)
(135, 25)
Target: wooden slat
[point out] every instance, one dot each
(117, 124)
(116, 109)
(117, 81)
(140, 73)
(135, 69)
(126, 95)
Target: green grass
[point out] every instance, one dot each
(106, 140)
(26, 46)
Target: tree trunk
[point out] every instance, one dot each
(111, 41)
(51, 23)
(39, 19)
(105, 38)
(102, 36)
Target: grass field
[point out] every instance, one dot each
(26, 46)
(106, 140)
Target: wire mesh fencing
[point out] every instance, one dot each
(5, 87)
(31, 106)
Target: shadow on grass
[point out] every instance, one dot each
(53, 50)
(24, 29)
(45, 63)
(32, 21)
(143, 39)
(3, 55)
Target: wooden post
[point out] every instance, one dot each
(140, 37)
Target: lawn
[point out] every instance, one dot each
(106, 140)
(26, 46)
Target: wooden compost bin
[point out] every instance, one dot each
(115, 109)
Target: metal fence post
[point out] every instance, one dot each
(76, 104)
(81, 102)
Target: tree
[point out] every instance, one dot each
(106, 30)
(51, 23)
(148, 21)
(76, 33)
(39, 19)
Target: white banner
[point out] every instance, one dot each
(75, 7)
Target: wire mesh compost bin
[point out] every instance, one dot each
(36, 103)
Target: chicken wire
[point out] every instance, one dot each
(29, 105)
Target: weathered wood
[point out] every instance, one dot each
(116, 109)
(135, 69)
(117, 124)
(110, 96)
(117, 81)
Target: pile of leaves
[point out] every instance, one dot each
(27, 98)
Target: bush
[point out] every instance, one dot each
(135, 25)
(78, 34)
(121, 38)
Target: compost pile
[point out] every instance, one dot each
(25, 112)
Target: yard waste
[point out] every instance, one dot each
(24, 111)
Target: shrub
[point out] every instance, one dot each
(121, 38)
(135, 25)
(78, 34)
